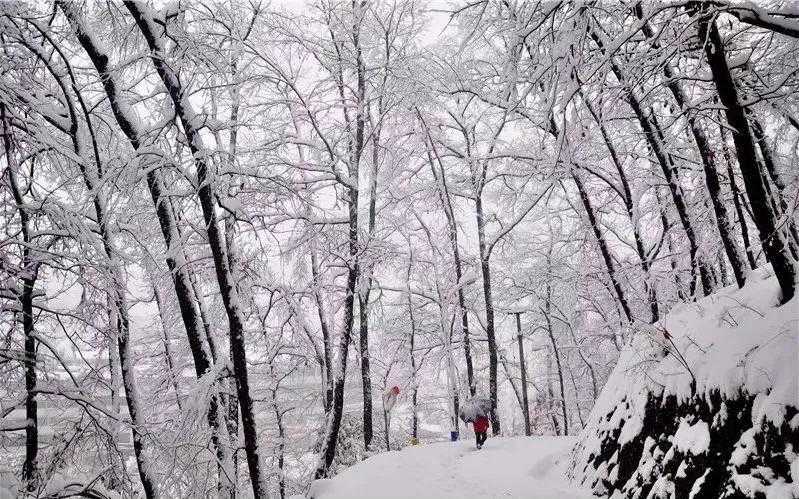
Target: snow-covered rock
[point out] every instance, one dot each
(705, 403)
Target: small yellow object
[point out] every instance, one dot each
(414, 441)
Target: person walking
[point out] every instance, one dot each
(481, 430)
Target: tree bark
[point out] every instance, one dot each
(328, 451)
(170, 363)
(708, 162)
(411, 354)
(227, 285)
(452, 229)
(29, 269)
(737, 201)
(603, 247)
(770, 236)
(523, 371)
(118, 311)
(363, 304)
(551, 333)
(355, 150)
(175, 260)
(629, 207)
(489, 304)
(759, 135)
(655, 139)
(328, 381)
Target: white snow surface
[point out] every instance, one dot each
(520, 467)
(735, 339)
(692, 439)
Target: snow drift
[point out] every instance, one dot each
(519, 467)
(701, 404)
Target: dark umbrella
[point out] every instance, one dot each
(474, 408)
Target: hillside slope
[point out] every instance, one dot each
(530, 468)
(703, 404)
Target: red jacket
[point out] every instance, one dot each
(481, 424)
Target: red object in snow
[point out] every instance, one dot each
(481, 424)
(395, 389)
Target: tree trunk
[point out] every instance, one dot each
(170, 363)
(523, 371)
(791, 236)
(446, 202)
(770, 236)
(29, 269)
(328, 451)
(328, 373)
(355, 149)
(712, 182)
(629, 207)
(118, 315)
(737, 200)
(603, 247)
(227, 285)
(550, 331)
(366, 378)
(489, 304)
(363, 303)
(175, 260)
(655, 140)
(708, 163)
(551, 397)
(411, 354)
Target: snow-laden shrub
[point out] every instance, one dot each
(702, 404)
(349, 447)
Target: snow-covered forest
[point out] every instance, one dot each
(230, 228)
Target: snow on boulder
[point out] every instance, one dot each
(704, 403)
(692, 439)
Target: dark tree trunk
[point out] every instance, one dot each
(411, 353)
(227, 285)
(627, 198)
(363, 298)
(712, 183)
(603, 247)
(489, 304)
(363, 306)
(366, 378)
(328, 381)
(452, 227)
(778, 198)
(30, 472)
(167, 344)
(523, 372)
(675, 269)
(118, 314)
(551, 333)
(166, 218)
(355, 148)
(656, 142)
(737, 201)
(328, 451)
(29, 269)
(770, 236)
(708, 162)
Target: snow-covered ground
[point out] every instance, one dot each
(521, 467)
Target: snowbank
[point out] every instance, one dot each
(702, 404)
(506, 467)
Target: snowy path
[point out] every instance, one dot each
(505, 468)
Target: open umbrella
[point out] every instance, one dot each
(474, 408)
